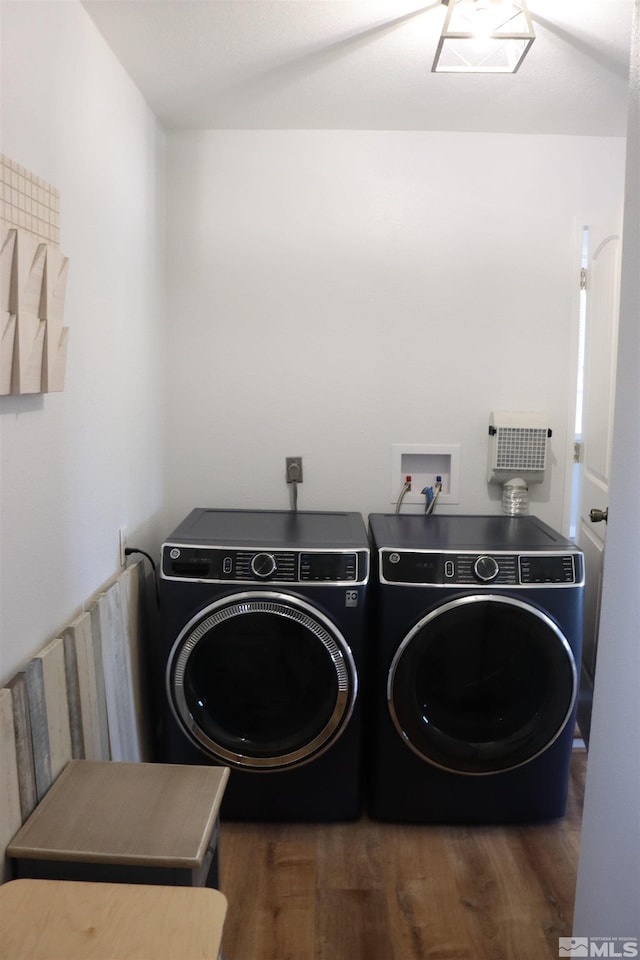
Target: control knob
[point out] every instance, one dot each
(263, 565)
(486, 569)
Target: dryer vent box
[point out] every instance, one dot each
(518, 445)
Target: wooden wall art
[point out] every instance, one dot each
(33, 279)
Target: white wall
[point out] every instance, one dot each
(79, 464)
(608, 889)
(333, 293)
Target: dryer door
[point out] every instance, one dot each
(482, 684)
(262, 681)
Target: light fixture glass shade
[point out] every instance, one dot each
(484, 36)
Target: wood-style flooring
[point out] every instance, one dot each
(378, 891)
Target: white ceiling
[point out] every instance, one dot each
(338, 64)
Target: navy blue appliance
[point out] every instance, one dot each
(263, 637)
(476, 668)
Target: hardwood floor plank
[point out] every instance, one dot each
(346, 865)
(240, 873)
(500, 894)
(426, 922)
(290, 893)
(278, 893)
(352, 923)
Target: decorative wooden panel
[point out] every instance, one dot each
(73, 695)
(54, 359)
(7, 341)
(7, 248)
(57, 707)
(26, 375)
(118, 675)
(10, 811)
(98, 661)
(34, 678)
(131, 586)
(28, 274)
(51, 309)
(93, 707)
(29, 202)
(24, 747)
(33, 277)
(7, 319)
(54, 285)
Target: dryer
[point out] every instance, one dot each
(263, 616)
(476, 668)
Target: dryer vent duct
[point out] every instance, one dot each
(518, 444)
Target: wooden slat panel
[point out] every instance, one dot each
(130, 585)
(96, 642)
(10, 812)
(7, 341)
(93, 707)
(57, 706)
(36, 699)
(73, 695)
(116, 662)
(7, 248)
(24, 747)
(28, 349)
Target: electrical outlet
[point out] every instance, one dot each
(122, 544)
(294, 469)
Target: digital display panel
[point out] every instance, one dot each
(410, 567)
(332, 567)
(547, 569)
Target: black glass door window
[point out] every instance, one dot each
(262, 682)
(482, 685)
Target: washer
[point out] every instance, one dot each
(263, 623)
(475, 679)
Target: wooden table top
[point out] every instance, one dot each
(68, 920)
(154, 814)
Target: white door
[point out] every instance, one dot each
(603, 302)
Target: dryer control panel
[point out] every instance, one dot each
(225, 565)
(423, 567)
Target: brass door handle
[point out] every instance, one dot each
(596, 516)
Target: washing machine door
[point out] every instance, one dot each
(482, 684)
(262, 681)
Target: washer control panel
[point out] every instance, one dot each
(221, 565)
(480, 569)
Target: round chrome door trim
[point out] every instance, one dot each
(291, 608)
(434, 615)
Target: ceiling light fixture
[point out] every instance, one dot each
(484, 36)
